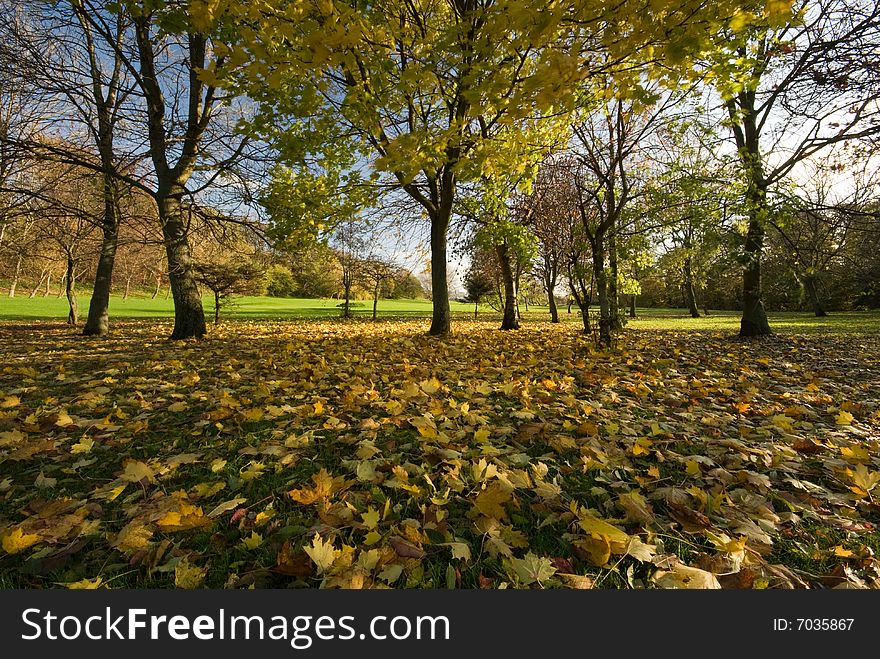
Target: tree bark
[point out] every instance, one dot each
(48, 284)
(689, 290)
(754, 319)
(36, 288)
(189, 315)
(375, 300)
(14, 283)
(510, 320)
(70, 289)
(601, 274)
(98, 322)
(613, 295)
(216, 307)
(812, 293)
(554, 312)
(127, 288)
(440, 316)
(632, 305)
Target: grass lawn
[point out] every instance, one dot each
(23, 308)
(323, 453)
(269, 308)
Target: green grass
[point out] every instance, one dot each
(269, 308)
(24, 308)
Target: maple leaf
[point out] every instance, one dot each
(133, 536)
(86, 584)
(18, 540)
(135, 471)
(844, 418)
(490, 501)
(322, 553)
(325, 486)
(531, 569)
(188, 575)
(683, 576)
(253, 541)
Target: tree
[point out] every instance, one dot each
(349, 244)
(377, 272)
(421, 90)
(229, 279)
(791, 89)
(479, 284)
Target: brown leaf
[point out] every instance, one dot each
(405, 549)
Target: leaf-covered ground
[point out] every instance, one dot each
(306, 454)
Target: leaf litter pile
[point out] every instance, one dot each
(369, 455)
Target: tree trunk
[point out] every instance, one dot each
(216, 307)
(346, 305)
(554, 312)
(632, 305)
(754, 318)
(70, 289)
(158, 288)
(43, 273)
(510, 320)
(690, 292)
(812, 292)
(14, 283)
(613, 294)
(127, 288)
(48, 284)
(601, 275)
(476, 308)
(375, 300)
(189, 315)
(98, 323)
(440, 316)
(61, 285)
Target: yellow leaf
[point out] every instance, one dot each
(491, 500)
(64, 420)
(189, 576)
(179, 406)
(460, 550)
(481, 435)
(597, 547)
(322, 553)
(132, 537)
(187, 516)
(843, 552)
(253, 541)
(683, 576)
(692, 467)
(10, 401)
(844, 418)
(783, 422)
(371, 518)
(18, 541)
(431, 386)
(135, 471)
(82, 446)
(597, 527)
(86, 584)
